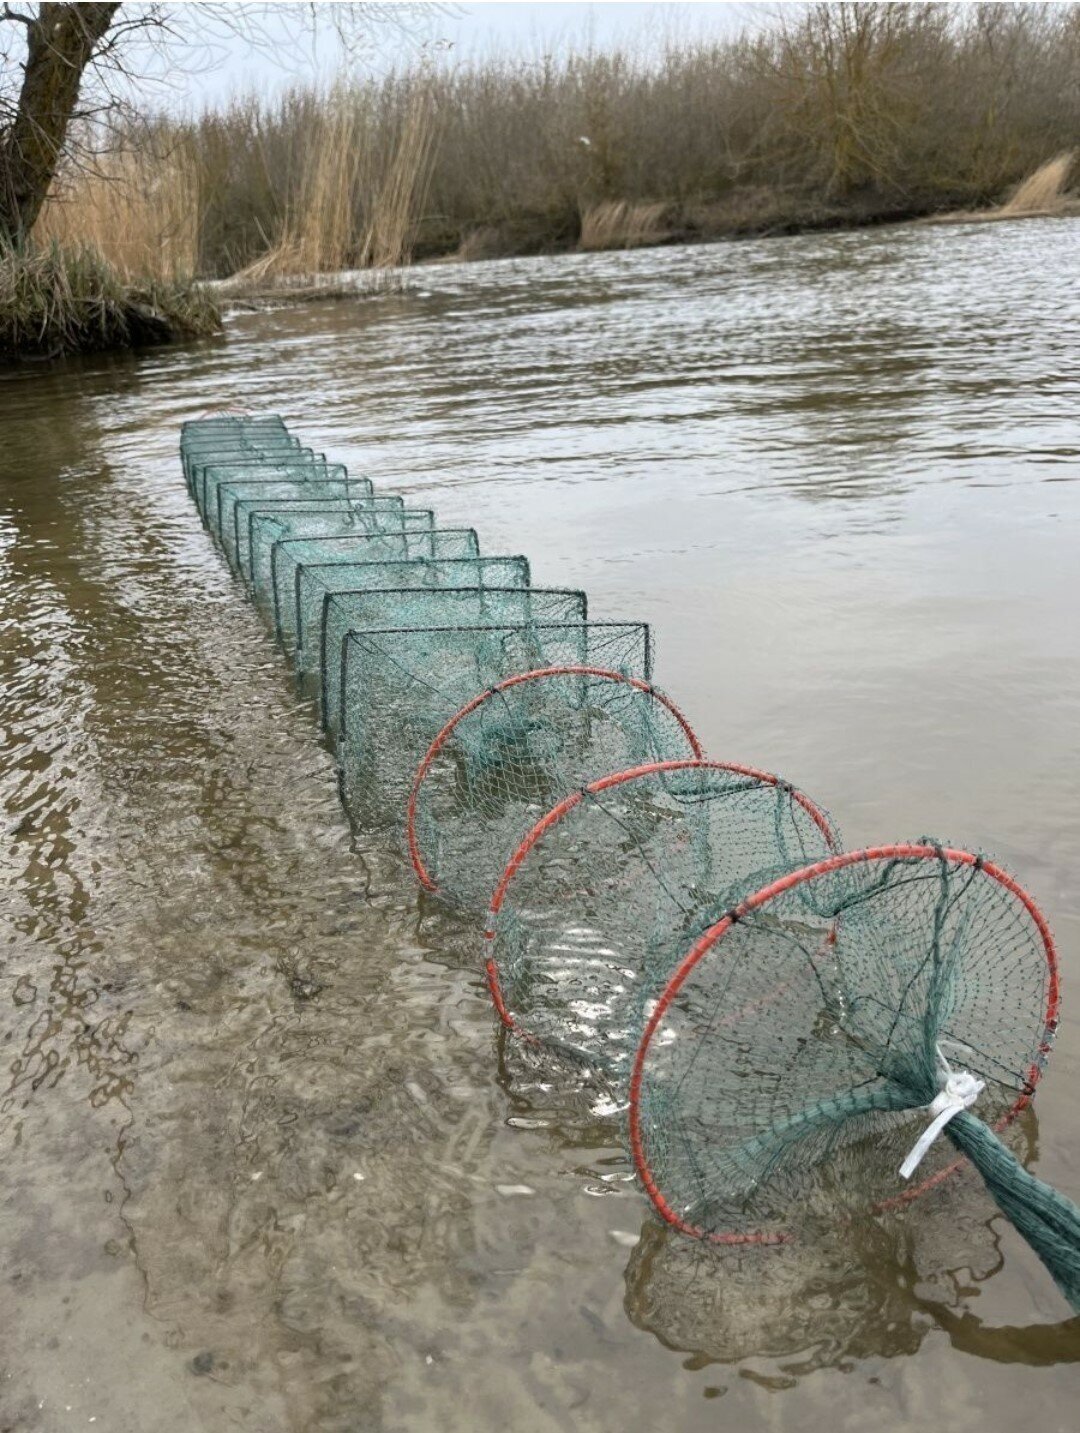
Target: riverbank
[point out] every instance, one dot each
(56, 300)
(828, 116)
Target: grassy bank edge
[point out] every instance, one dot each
(58, 300)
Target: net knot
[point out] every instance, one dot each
(959, 1091)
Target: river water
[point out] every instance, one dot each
(266, 1163)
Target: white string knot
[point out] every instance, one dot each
(959, 1091)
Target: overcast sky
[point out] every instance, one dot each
(223, 65)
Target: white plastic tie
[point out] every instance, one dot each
(959, 1091)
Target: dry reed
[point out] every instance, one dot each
(617, 224)
(832, 113)
(1043, 192)
(138, 209)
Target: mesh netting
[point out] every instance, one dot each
(223, 486)
(268, 448)
(425, 676)
(298, 467)
(600, 897)
(269, 525)
(318, 583)
(237, 501)
(258, 522)
(290, 555)
(515, 751)
(452, 608)
(785, 1072)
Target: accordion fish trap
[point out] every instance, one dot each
(844, 1040)
(289, 555)
(268, 525)
(516, 750)
(455, 607)
(212, 477)
(400, 686)
(317, 583)
(593, 908)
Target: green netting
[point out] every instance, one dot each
(590, 922)
(317, 582)
(515, 752)
(268, 526)
(210, 477)
(457, 607)
(240, 450)
(289, 554)
(791, 1072)
(237, 499)
(399, 687)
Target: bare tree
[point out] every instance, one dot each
(62, 65)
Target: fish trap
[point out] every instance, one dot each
(845, 1039)
(289, 556)
(446, 608)
(594, 906)
(267, 525)
(320, 585)
(300, 469)
(424, 676)
(515, 751)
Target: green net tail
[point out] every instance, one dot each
(1048, 1220)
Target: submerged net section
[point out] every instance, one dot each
(318, 583)
(290, 555)
(298, 468)
(268, 526)
(237, 501)
(515, 751)
(424, 677)
(596, 904)
(451, 608)
(258, 522)
(785, 1073)
(225, 486)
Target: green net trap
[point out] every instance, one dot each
(595, 903)
(290, 555)
(515, 751)
(800, 1037)
(845, 1039)
(318, 584)
(444, 608)
(212, 478)
(266, 518)
(268, 525)
(425, 676)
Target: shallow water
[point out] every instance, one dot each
(266, 1163)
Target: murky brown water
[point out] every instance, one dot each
(266, 1165)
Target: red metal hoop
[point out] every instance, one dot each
(422, 874)
(715, 934)
(605, 783)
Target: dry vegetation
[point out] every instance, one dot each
(55, 301)
(839, 114)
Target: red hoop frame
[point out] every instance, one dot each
(604, 783)
(712, 937)
(422, 873)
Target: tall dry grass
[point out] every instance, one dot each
(139, 209)
(1045, 191)
(832, 113)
